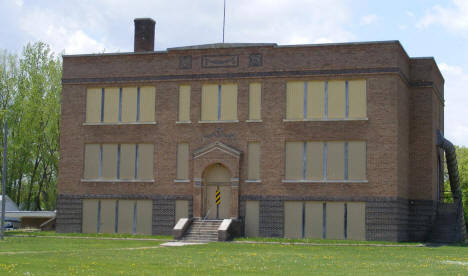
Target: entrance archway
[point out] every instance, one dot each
(216, 178)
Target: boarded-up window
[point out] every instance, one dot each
(107, 216)
(126, 219)
(252, 216)
(145, 161)
(336, 99)
(129, 104)
(147, 103)
(181, 209)
(356, 221)
(111, 104)
(357, 99)
(293, 219)
(90, 215)
(219, 102)
(109, 161)
(313, 220)
(335, 220)
(315, 99)
(335, 160)
(127, 161)
(253, 171)
(144, 217)
(228, 102)
(357, 160)
(182, 161)
(184, 103)
(294, 160)
(209, 102)
(92, 161)
(314, 161)
(295, 100)
(93, 105)
(255, 101)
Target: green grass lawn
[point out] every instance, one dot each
(56, 256)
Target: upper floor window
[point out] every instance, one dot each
(118, 162)
(326, 100)
(184, 103)
(120, 105)
(219, 102)
(321, 161)
(255, 101)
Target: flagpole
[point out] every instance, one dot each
(224, 18)
(5, 135)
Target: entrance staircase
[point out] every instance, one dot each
(202, 231)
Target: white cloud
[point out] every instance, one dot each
(19, 3)
(89, 26)
(368, 19)
(456, 98)
(454, 18)
(409, 13)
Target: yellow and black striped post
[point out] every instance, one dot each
(218, 201)
(218, 196)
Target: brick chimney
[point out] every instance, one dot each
(144, 35)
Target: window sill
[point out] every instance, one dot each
(325, 120)
(323, 181)
(118, 124)
(183, 122)
(253, 121)
(218, 122)
(253, 181)
(118, 180)
(181, 180)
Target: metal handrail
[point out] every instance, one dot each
(203, 221)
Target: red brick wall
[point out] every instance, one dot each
(399, 132)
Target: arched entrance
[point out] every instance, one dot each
(216, 178)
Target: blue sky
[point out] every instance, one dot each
(424, 27)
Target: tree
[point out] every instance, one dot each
(34, 119)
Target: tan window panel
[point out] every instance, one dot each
(356, 227)
(90, 214)
(209, 102)
(295, 100)
(127, 161)
(184, 103)
(253, 161)
(252, 217)
(357, 99)
(335, 160)
(335, 220)
(129, 104)
(294, 160)
(145, 161)
(228, 102)
(111, 104)
(109, 161)
(93, 105)
(91, 161)
(144, 217)
(314, 160)
(357, 160)
(107, 216)
(147, 103)
(255, 101)
(182, 161)
(315, 99)
(181, 209)
(293, 219)
(313, 227)
(336, 99)
(125, 221)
